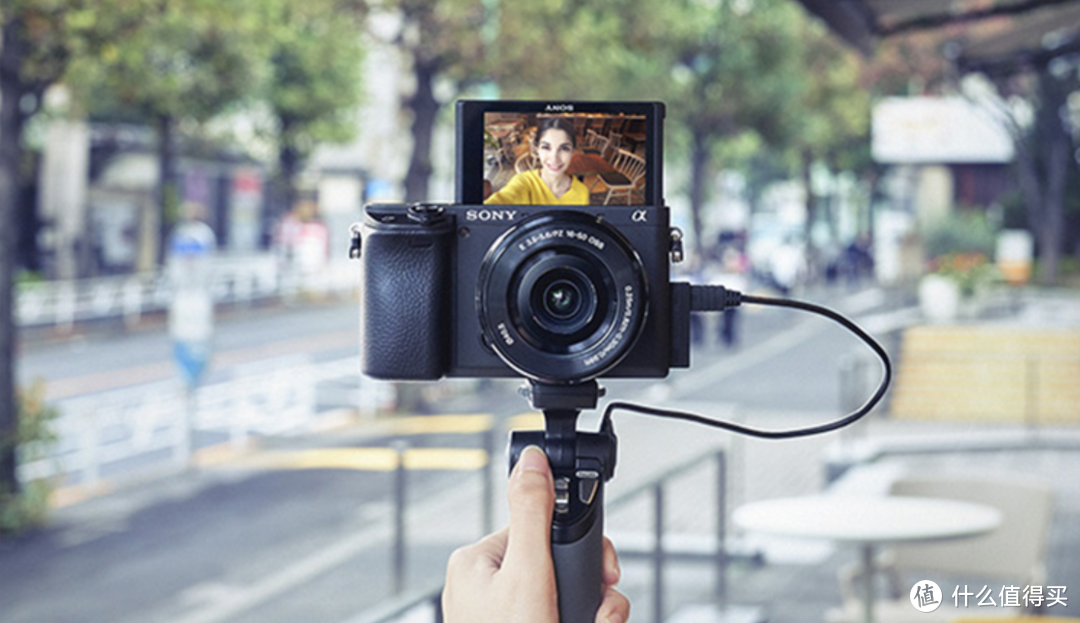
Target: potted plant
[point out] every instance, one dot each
(958, 249)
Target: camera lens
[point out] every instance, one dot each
(557, 299)
(562, 300)
(562, 297)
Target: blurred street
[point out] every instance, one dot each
(286, 531)
(185, 192)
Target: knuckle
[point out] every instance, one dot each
(460, 559)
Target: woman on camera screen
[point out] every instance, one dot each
(550, 184)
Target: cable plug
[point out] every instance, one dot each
(713, 298)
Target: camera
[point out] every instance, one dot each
(559, 294)
(553, 264)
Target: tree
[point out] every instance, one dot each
(40, 38)
(313, 87)
(439, 39)
(188, 61)
(833, 120)
(11, 60)
(726, 68)
(932, 61)
(1044, 154)
(734, 70)
(552, 50)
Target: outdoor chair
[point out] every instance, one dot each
(1011, 555)
(614, 145)
(527, 162)
(591, 144)
(624, 180)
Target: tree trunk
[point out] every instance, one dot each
(1055, 143)
(1042, 162)
(700, 157)
(873, 184)
(11, 90)
(167, 193)
(1051, 231)
(810, 253)
(288, 168)
(424, 108)
(1027, 175)
(283, 191)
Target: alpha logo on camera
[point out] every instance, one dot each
(559, 108)
(490, 215)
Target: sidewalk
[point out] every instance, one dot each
(799, 582)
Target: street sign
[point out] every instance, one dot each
(191, 314)
(191, 359)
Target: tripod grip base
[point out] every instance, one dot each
(579, 571)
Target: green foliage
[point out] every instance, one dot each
(970, 270)
(962, 231)
(32, 441)
(452, 36)
(554, 49)
(314, 78)
(28, 278)
(25, 511)
(834, 116)
(739, 76)
(183, 59)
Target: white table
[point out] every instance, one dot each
(868, 521)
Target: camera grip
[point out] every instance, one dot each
(406, 302)
(579, 568)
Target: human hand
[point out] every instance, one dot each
(509, 576)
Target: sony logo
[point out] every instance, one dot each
(559, 108)
(490, 215)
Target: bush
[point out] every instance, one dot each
(29, 507)
(963, 231)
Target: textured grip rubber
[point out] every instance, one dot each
(579, 569)
(405, 319)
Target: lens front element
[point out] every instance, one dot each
(557, 298)
(562, 297)
(562, 300)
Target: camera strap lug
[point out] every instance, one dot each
(677, 254)
(354, 244)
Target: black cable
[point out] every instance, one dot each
(718, 298)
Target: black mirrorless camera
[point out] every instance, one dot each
(559, 294)
(554, 265)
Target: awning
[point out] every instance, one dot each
(1029, 32)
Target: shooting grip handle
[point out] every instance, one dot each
(579, 565)
(581, 464)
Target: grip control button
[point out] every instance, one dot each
(587, 490)
(562, 495)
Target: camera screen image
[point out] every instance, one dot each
(564, 159)
(561, 154)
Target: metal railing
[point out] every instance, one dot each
(236, 280)
(158, 419)
(425, 604)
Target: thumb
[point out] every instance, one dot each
(531, 493)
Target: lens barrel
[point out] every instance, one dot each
(562, 297)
